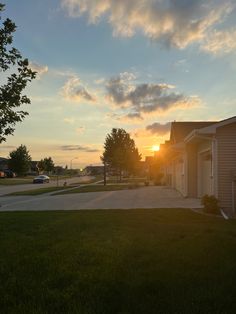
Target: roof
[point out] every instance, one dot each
(2, 159)
(179, 130)
(210, 130)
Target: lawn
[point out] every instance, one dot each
(126, 180)
(12, 181)
(98, 188)
(39, 191)
(108, 262)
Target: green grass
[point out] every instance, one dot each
(126, 180)
(105, 262)
(39, 191)
(92, 180)
(12, 181)
(97, 188)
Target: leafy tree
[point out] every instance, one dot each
(45, 164)
(40, 166)
(48, 164)
(120, 152)
(20, 160)
(20, 74)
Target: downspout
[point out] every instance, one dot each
(233, 198)
(233, 193)
(233, 208)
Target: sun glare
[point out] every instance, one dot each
(155, 148)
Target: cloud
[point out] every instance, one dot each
(219, 42)
(126, 118)
(174, 23)
(8, 147)
(138, 99)
(158, 128)
(75, 91)
(80, 130)
(85, 149)
(40, 69)
(69, 120)
(100, 81)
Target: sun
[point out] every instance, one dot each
(155, 148)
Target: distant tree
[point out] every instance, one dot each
(48, 164)
(16, 80)
(40, 166)
(120, 152)
(20, 160)
(45, 164)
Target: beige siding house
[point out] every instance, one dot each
(200, 158)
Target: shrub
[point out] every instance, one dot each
(133, 186)
(158, 179)
(211, 204)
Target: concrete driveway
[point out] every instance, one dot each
(145, 197)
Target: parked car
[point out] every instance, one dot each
(2, 174)
(41, 179)
(9, 174)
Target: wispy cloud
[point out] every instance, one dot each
(81, 148)
(40, 69)
(74, 90)
(172, 23)
(69, 120)
(80, 130)
(100, 81)
(220, 42)
(8, 147)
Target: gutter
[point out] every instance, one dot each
(196, 134)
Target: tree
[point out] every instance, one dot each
(48, 164)
(11, 92)
(45, 164)
(120, 152)
(20, 160)
(40, 166)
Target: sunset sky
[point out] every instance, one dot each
(120, 63)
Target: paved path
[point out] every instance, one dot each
(6, 189)
(145, 197)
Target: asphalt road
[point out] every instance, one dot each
(6, 189)
(145, 197)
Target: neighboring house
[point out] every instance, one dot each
(94, 170)
(200, 158)
(3, 163)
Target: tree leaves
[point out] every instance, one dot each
(11, 93)
(120, 151)
(20, 160)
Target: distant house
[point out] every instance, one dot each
(200, 158)
(3, 163)
(94, 170)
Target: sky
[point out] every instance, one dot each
(136, 64)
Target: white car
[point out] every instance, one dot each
(41, 179)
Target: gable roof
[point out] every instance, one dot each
(212, 129)
(209, 130)
(179, 130)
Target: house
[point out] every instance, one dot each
(200, 158)
(94, 170)
(3, 163)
